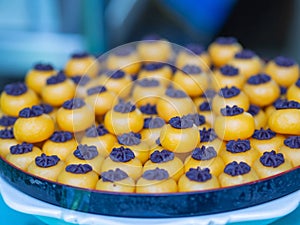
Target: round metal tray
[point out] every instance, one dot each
(152, 205)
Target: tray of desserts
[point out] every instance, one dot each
(152, 129)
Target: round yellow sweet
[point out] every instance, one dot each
(5, 145)
(175, 167)
(193, 84)
(12, 105)
(22, 161)
(102, 102)
(162, 74)
(215, 165)
(234, 127)
(103, 143)
(87, 180)
(219, 102)
(49, 173)
(57, 94)
(186, 185)
(154, 50)
(126, 185)
(186, 57)
(221, 54)
(147, 95)
(95, 163)
(293, 93)
(284, 76)
(248, 156)
(83, 65)
(34, 129)
(60, 149)
(285, 121)
(179, 140)
(133, 167)
(36, 79)
(76, 119)
(156, 186)
(119, 123)
(228, 180)
(274, 143)
(264, 172)
(141, 150)
(168, 107)
(130, 63)
(262, 94)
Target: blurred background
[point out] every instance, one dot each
(50, 30)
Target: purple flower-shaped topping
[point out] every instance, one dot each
(123, 50)
(81, 80)
(198, 174)
(204, 153)
(227, 92)
(191, 69)
(152, 123)
(229, 70)
(284, 61)
(93, 131)
(121, 154)
(45, 161)
(283, 90)
(96, 90)
(7, 133)
(57, 79)
(75, 103)
(61, 136)
(263, 134)
(85, 152)
(161, 156)
(79, 168)
(254, 110)
(245, 54)
(47, 108)
(156, 174)
(209, 93)
(226, 40)
(231, 111)
(235, 169)
(197, 119)
(238, 146)
(181, 123)
(175, 93)
(129, 139)
(114, 175)
(79, 55)
(285, 104)
(34, 111)
(195, 48)
(292, 142)
(21, 148)
(271, 159)
(205, 107)
(7, 121)
(117, 74)
(148, 109)
(148, 82)
(153, 66)
(207, 135)
(15, 89)
(259, 79)
(43, 67)
(124, 107)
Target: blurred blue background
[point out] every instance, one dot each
(50, 30)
